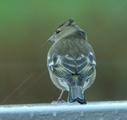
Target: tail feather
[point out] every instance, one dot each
(76, 95)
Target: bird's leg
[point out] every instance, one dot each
(59, 100)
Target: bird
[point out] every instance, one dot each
(71, 61)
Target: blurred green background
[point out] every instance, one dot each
(25, 26)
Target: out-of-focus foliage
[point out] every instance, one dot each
(25, 26)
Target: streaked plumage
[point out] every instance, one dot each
(71, 61)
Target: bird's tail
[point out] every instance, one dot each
(76, 95)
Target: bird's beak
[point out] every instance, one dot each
(52, 38)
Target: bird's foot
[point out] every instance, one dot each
(59, 100)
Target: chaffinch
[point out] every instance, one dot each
(71, 61)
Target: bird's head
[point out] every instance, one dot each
(65, 29)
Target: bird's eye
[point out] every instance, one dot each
(58, 31)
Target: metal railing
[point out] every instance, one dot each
(65, 111)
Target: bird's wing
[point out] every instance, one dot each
(66, 66)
